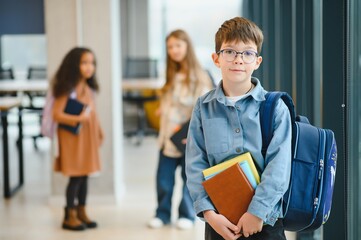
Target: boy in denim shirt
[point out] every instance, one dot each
(225, 123)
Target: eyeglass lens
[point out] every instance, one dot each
(247, 56)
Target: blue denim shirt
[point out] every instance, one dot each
(220, 130)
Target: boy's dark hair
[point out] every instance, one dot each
(239, 29)
(68, 74)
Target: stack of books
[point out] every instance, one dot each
(231, 185)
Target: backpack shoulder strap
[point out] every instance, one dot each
(267, 110)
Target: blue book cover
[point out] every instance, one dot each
(73, 107)
(248, 172)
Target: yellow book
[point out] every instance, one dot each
(226, 164)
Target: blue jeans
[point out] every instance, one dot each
(165, 184)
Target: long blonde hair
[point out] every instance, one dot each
(173, 67)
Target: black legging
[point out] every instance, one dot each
(77, 188)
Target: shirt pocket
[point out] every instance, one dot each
(216, 135)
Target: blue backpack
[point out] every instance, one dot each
(307, 202)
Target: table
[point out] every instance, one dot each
(40, 85)
(34, 85)
(29, 87)
(16, 86)
(129, 84)
(7, 103)
(140, 86)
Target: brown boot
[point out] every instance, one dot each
(84, 217)
(71, 222)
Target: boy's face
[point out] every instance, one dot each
(237, 71)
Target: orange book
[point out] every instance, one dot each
(230, 192)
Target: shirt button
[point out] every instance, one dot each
(237, 130)
(238, 150)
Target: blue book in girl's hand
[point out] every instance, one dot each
(178, 137)
(73, 107)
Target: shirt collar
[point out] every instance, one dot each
(258, 93)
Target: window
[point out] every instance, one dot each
(354, 120)
(200, 19)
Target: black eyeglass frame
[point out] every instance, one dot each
(239, 53)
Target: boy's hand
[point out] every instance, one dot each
(222, 225)
(249, 224)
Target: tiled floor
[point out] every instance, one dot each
(28, 215)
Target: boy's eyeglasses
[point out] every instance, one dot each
(230, 55)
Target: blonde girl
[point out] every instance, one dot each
(185, 82)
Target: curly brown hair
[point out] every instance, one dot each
(68, 74)
(239, 29)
